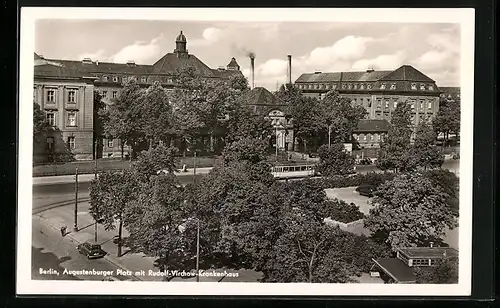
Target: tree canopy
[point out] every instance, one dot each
(335, 160)
(410, 211)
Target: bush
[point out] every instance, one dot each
(339, 210)
(372, 178)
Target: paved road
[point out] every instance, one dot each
(50, 251)
(452, 165)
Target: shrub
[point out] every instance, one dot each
(375, 179)
(339, 210)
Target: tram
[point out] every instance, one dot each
(293, 171)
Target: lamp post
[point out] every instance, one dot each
(95, 177)
(197, 250)
(75, 227)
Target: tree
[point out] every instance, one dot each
(447, 119)
(123, 117)
(244, 123)
(110, 196)
(339, 117)
(100, 117)
(409, 211)
(448, 183)
(156, 115)
(335, 160)
(427, 154)
(395, 150)
(40, 124)
(154, 160)
(444, 272)
(303, 111)
(247, 149)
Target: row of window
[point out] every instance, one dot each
(50, 95)
(71, 117)
(104, 94)
(71, 143)
(123, 79)
(368, 137)
(362, 86)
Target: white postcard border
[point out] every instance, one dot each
(464, 17)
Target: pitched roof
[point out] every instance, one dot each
(342, 76)
(225, 73)
(429, 252)
(233, 63)
(450, 90)
(318, 77)
(171, 62)
(261, 96)
(50, 70)
(396, 269)
(37, 57)
(103, 67)
(372, 126)
(407, 73)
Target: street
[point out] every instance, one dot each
(53, 253)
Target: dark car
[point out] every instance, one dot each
(91, 251)
(366, 190)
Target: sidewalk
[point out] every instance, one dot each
(130, 260)
(83, 178)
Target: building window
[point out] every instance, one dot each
(50, 143)
(71, 142)
(71, 96)
(395, 105)
(71, 118)
(343, 86)
(420, 262)
(364, 137)
(382, 86)
(413, 86)
(362, 86)
(143, 79)
(51, 96)
(393, 86)
(115, 94)
(105, 78)
(429, 105)
(356, 137)
(51, 118)
(369, 103)
(386, 104)
(421, 105)
(412, 106)
(355, 86)
(110, 143)
(422, 87)
(431, 88)
(334, 86)
(104, 94)
(115, 78)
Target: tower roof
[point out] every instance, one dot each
(181, 38)
(233, 63)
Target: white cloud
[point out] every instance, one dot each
(98, 55)
(209, 36)
(382, 62)
(140, 52)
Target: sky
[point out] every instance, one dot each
(432, 48)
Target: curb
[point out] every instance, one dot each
(106, 257)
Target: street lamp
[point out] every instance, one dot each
(95, 177)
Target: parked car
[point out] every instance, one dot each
(366, 190)
(91, 251)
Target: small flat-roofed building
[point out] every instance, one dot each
(401, 268)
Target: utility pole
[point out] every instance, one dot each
(75, 227)
(198, 251)
(95, 178)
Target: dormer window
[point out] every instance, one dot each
(355, 86)
(349, 86)
(393, 86)
(431, 88)
(382, 86)
(422, 87)
(362, 86)
(327, 86)
(334, 86)
(105, 78)
(369, 86)
(413, 86)
(115, 78)
(343, 86)
(143, 79)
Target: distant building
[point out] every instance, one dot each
(368, 136)
(401, 268)
(64, 90)
(379, 92)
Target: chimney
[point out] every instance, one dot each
(252, 69)
(289, 70)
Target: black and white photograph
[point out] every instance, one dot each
(257, 151)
